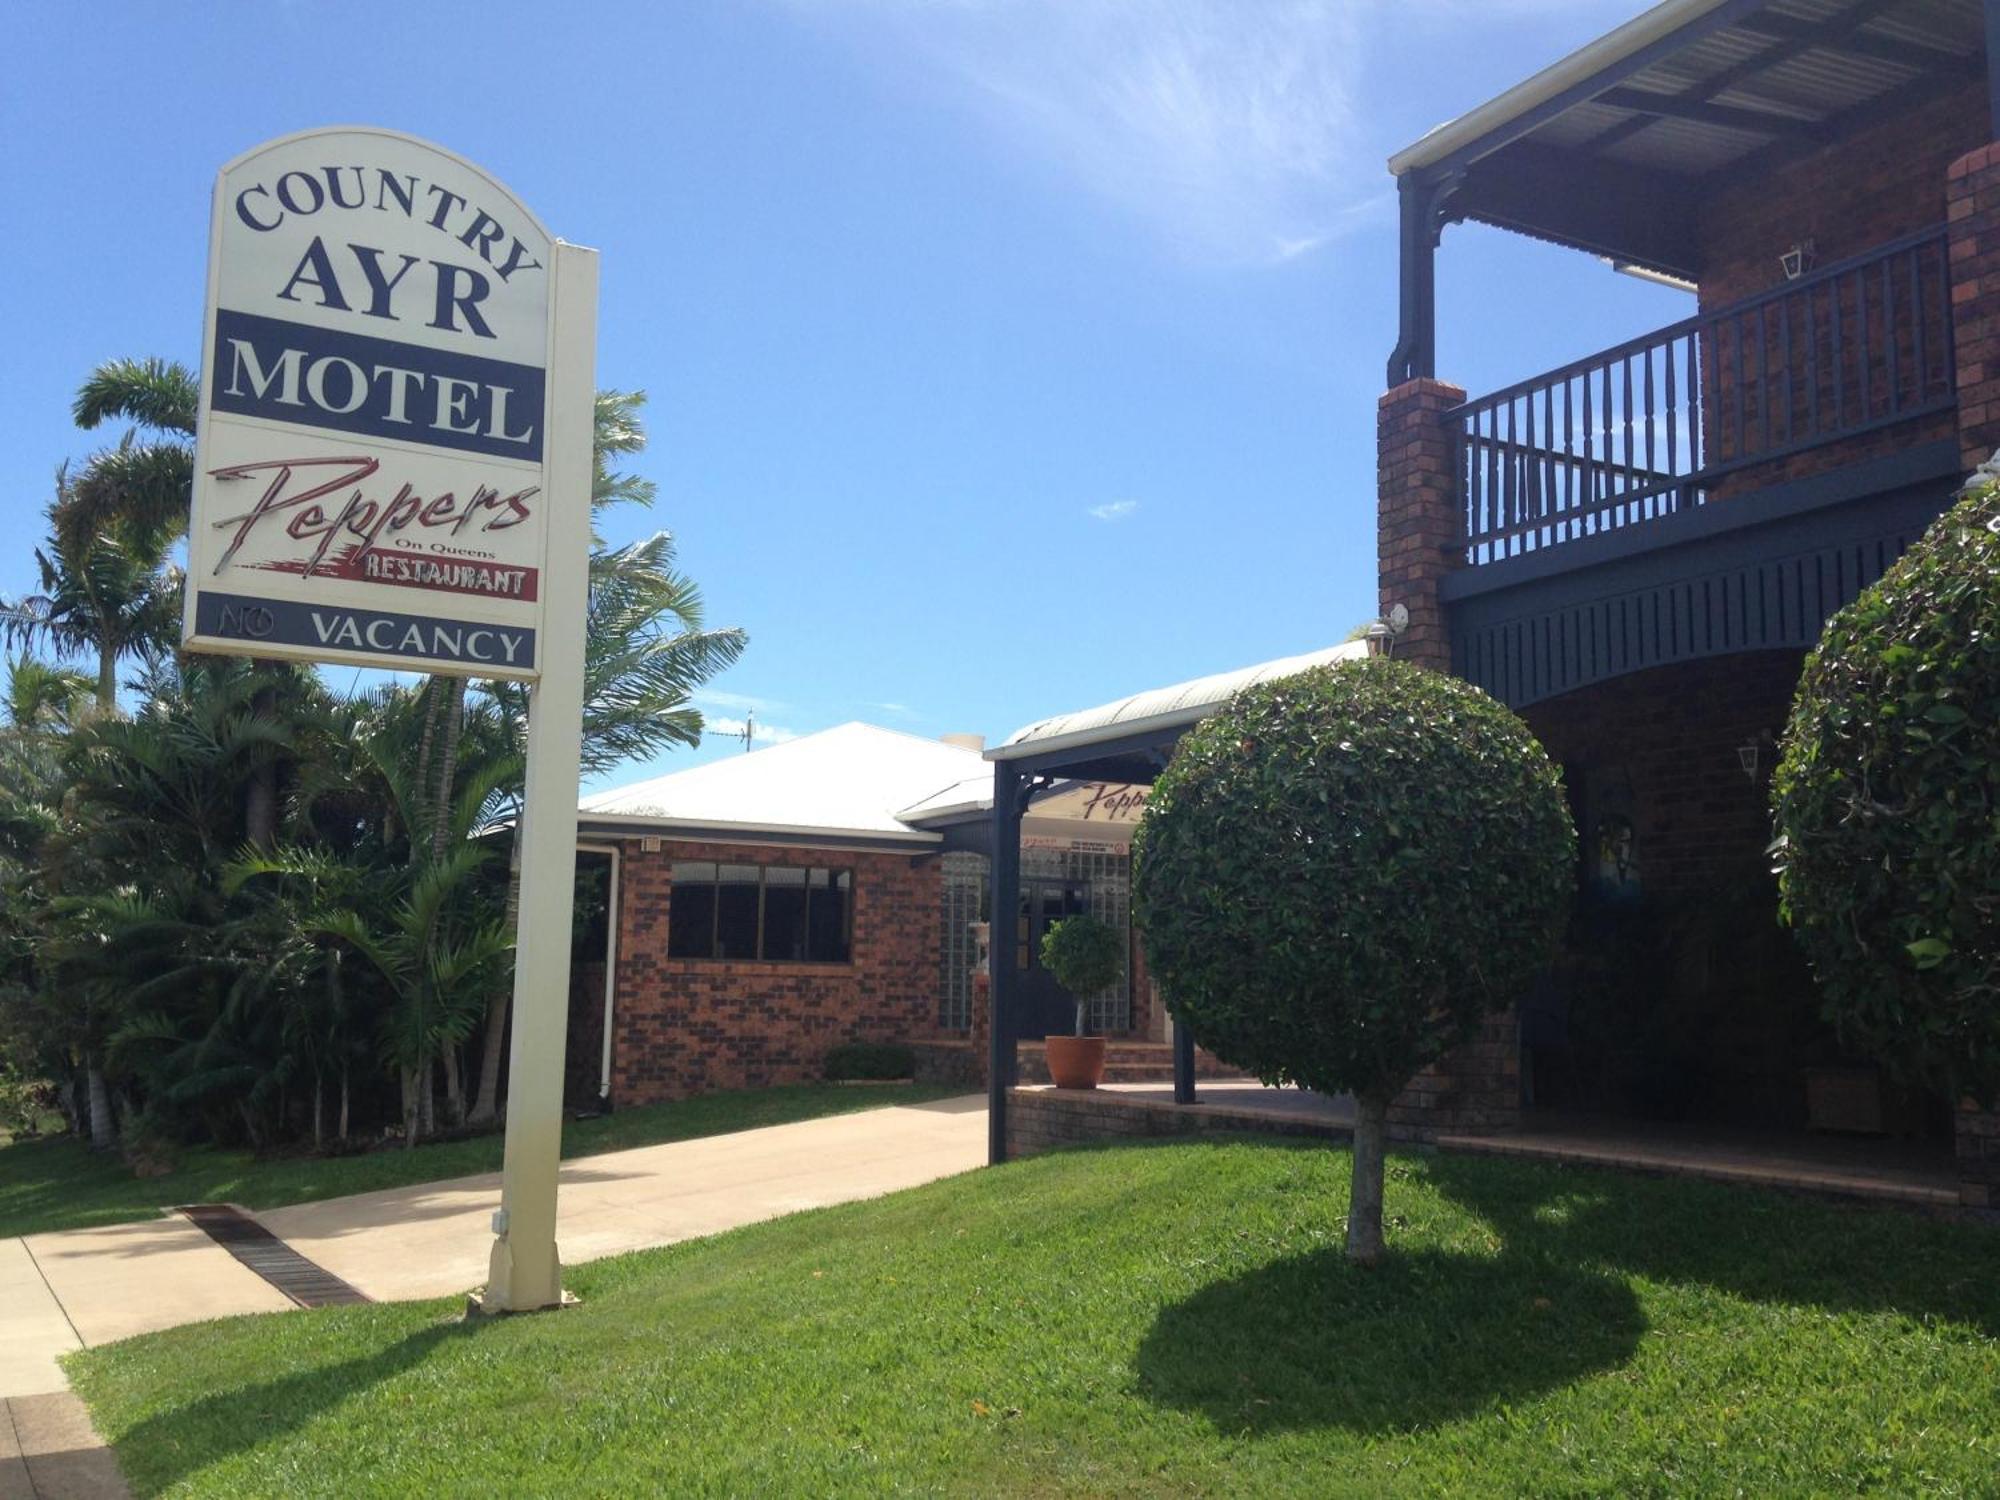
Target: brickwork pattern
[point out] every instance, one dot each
(687, 1026)
(1669, 737)
(1477, 1087)
(1861, 191)
(1417, 514)
(1972, 192)
(1979, 1159)
(1041, 1120)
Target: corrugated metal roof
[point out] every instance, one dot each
(1160, 708)
(847, 782)
(1805, 81)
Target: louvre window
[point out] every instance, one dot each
(772, 913)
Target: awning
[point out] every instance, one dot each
(1605, 150)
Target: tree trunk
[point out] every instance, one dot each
(494, 1046)
(103, 1129)
(1364, 1202)
(343, 1104)
(260, 802)
(454, 1089)
(107, 680)
(319, 1111)
(410, 1112)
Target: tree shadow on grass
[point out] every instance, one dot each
(169, 1447)
(1423, 1338)
(1759, 1245)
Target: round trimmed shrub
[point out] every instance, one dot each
(1341, 873)
(1085, 956)
(1887, 804)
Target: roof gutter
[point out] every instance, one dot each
(1607, 51)
(652, 823)
(1100, 734)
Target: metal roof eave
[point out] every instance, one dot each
(641, 823)
(1586, 72)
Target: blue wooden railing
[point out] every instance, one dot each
(1657, 425)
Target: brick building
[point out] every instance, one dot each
(1636, 549)
(768, 907)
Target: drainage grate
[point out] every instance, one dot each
(270, 1257)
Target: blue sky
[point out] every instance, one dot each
(1005, 356)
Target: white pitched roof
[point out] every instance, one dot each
(848, 781)
(1160, 708)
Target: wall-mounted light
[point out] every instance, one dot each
(1381, 634)
(1798, 260)
(1750, 753)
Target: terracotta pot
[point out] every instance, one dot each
(1076, 1062)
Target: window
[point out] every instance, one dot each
(774, 913)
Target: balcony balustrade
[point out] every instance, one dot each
(1722, 402)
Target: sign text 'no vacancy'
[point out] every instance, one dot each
(371, 484)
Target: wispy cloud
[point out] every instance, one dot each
(723, 727)
(1233, 128)
(716, 698)
(899, 710)
(1117, 510)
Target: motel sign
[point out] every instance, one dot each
(371, 482)
(393, 469)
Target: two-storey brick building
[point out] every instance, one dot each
(1636, 549)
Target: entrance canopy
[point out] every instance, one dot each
(1127, 740)
(1125, 743)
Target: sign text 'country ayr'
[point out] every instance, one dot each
(371, 483)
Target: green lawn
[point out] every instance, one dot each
(61, 1184)
(1173, 1319)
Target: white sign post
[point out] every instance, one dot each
(393, 469)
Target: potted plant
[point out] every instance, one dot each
(1085, 956)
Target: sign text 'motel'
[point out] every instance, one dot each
(370, 482)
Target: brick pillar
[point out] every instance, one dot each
(1417, 512)
(982, 1012)
(1972, 213)
(1475, 1090)
(1979, 1159)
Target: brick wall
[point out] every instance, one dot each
(1666, 741)
(1979, 1160)
(1041, 1120)
(686, 1026)
(1973, 210)
(1863, 190)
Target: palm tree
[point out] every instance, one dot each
(136, 491)
(100, 599)
(407, 905)
(41, 697)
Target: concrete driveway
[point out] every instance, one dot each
(60, 1292)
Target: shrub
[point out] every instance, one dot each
(869, 1061)
(1085, 956)
(1887, 804)
(1340, 874)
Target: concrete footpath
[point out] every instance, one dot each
(60, 1292)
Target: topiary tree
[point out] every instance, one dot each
(1887, 804)
(1086, 957)
(1341, 873)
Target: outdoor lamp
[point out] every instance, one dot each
(1798, 260)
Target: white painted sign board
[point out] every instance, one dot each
(393, 469)
(372, 468)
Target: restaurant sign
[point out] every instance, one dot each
(371, 482)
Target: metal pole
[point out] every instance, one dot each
(1415, 354)
(1004, 931)
(1183, 1063)
(525, 1271)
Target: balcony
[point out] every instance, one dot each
(1796, 381)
